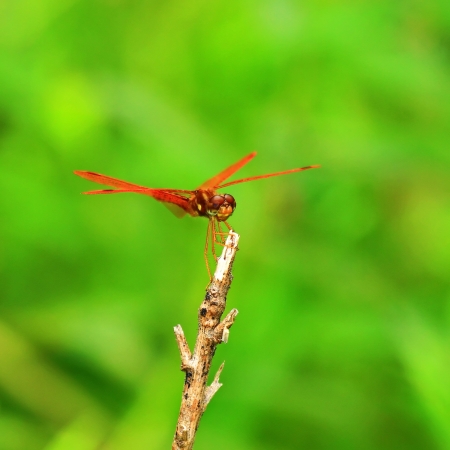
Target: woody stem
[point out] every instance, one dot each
(211, 332)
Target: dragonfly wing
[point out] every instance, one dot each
(217, 180)
(177, 204)
(176, 200)
(113, 191)
(259, 177)
(175, 210)
(108, 181)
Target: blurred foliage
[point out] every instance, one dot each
(342, 280)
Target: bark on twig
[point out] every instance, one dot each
(211, 332)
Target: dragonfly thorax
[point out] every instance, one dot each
(210, 204)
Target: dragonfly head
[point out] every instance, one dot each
(221, 206)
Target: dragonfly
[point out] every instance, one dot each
(204, 201)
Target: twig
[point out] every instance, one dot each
(211, 332)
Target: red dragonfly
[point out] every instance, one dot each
(203, 201)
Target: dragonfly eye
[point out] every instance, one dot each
(229, 199)
(216, 202)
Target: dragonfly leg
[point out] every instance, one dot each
(230, 228)
(228, 225)
(205, 253)
(218, 232)
(214, 230)
(213, 237)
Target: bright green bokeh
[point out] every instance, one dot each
(342, 281)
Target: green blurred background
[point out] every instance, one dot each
(342, 281)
